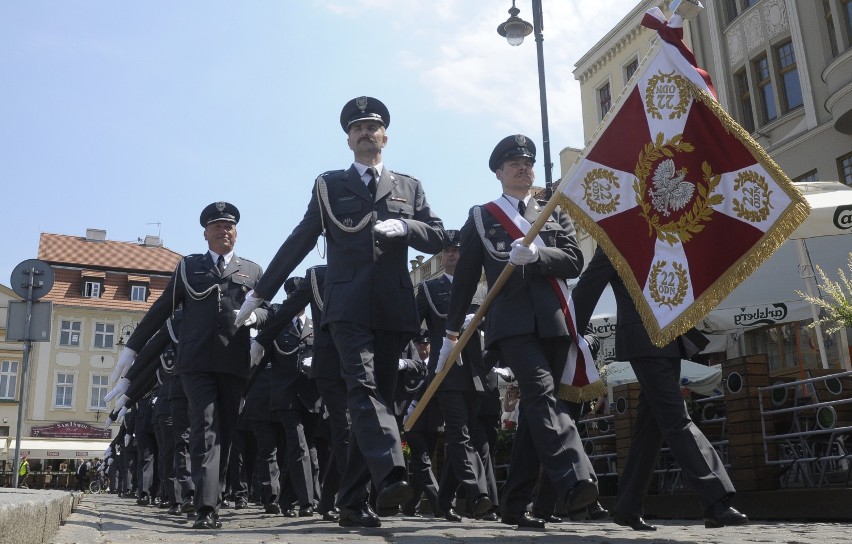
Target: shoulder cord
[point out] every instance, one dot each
(322, 191)
(170, 326)
(315, 289)
(192, 292)
(282, 352)
(480, 229)
(432, 304)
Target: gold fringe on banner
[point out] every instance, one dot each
(572, 393)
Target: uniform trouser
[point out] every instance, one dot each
(268, 435)
(484, 440)
(130, 480)
(662, 417)
(214, 402)
(368, 364)
(460, 409)
(146, 464)
(184, 488)
(545, 496)
(333, 392)
(423, 481)
(546, 437)
(166, 457)
(297, 454)
(242, 464)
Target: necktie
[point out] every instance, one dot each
(371, 185)
(298, 324)
(522, 208)
(220, 265)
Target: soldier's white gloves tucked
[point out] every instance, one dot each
(124, 362)
(446, 347)
(467, 319)
(521, 254)
(504, 373)
(247, 309)
(391, 228)
(256, 352)
(250, 320)
(119, 389)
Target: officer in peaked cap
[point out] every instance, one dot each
(516, 145)
(364, 108)
(219, 211)
(453, 239)
(292, 284)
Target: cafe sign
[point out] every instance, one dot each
(70, 429)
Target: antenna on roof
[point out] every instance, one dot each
(158, 227)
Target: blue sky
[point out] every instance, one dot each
(132, 116)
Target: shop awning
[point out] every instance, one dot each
(57, 448)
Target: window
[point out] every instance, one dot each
(8, 379)
(807, 177)
(844, 168)
(104, 335)
(788, 77)
(64, 390)
(100, 387)
(766, 90)
(846, 8)
(92, 289)
(69, 333)
(734, 8)
(630, 69)
(744, 96)
(829, 26)
(138, 293)
(604, 99)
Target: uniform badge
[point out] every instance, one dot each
(220, 206)
(361, 103)
(492, 232)
(347, 222)
(501, 246)
(521, 140)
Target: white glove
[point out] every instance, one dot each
(119, 389)
(108, 422)
(124, 362)
(126, 439)
(521, 254)
(504, 373)
(250, 320)
(121, 402)
(446, 347)
(408, 412)
(120, 416)
(391, 228)
(247, 309)
(107, 452)
(306, 365)
(256, 352)
(402, 364)
(467, 319)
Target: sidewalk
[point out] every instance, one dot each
(32, 516)
(107, 519)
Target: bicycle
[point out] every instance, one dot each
(99, 485)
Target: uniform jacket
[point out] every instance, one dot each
(291, 388)
(526, 304)
(631, 337)
(367, 278)
(433, 299)
(209, 341)
(412, 383)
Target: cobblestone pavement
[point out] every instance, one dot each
(107, 519)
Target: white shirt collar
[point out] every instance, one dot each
(215, 256)
(514, 201)
(449, 277)
(362, 170)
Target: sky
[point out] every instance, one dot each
(131, 117)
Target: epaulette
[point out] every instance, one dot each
(240, 257)
(329, 172)
(404, 175)
(316, 267)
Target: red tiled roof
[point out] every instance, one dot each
(73, 258)
(59, 249)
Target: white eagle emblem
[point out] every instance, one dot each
(670, 192)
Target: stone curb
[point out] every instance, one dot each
(32, 516)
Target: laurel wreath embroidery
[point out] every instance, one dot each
(682, 89)
(758, 197)
(691, 222)
(602, 208)
(679, 274)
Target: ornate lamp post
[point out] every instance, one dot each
(515, 30)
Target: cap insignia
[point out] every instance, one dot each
(361, 103)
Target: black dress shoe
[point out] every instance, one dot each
(306, 511)
(393, 493)
(582, 494)
(721, 515)
(410, 513)
(548, 518)
(331, 515)
(272, 508)
(634, 522)
(481, 506)
(240, 504)
(488, 516)
(206, 521)
(525, 521)
(451, 515)
(144, 500)
(597, 512)
(187, 506)
(174, 510)
(358, 517)
(290, 513)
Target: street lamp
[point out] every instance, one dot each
(515, 30)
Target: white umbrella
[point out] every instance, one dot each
(704, 380)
